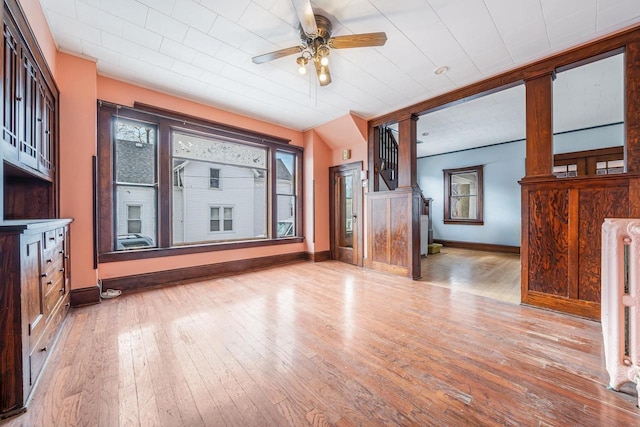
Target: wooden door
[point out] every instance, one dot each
(346, 213)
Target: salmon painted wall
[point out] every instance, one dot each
(77, 83)
(38, 23)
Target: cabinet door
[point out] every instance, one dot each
(10, 92)
(32, 296)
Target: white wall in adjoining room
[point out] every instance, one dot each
(503, 168)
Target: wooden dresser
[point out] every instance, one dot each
(34, 301)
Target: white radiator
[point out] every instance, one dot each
(621, 300)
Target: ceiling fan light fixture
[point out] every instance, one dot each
(323, 75)
(323, 54)
(302, 64)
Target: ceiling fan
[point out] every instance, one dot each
(316, 42)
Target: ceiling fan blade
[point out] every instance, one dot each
(260, 59)
(358, 40)
(323, 69)
(305, 16)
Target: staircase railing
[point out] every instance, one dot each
(388, 155)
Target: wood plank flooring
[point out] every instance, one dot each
(490, 274)
(323, 344)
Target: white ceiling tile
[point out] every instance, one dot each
(129, 10)
(142, 36)
(202, 42)
(69, 43)
(194, 15)
(233, 56)
(166, 26)
(118, 44)
(100, 19)
(71, 27)
(177, 50)
(613, 14)
(63, 7)
(186, 70)
(162, 6)
(155, 58)
(208, 63)
(232, 10)
(259, 21)
(229, 32)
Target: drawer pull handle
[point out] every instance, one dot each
(61, 252)
(66, 257)
(48, 261)
(49, 282)
(68, 304)
(61, 290)
(61, 270)
(43, 275)
(52, 238)
(45, 348)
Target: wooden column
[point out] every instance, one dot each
(407, 154)
(632, 123)
(539, 161)
(374, 158)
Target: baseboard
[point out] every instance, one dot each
(85, 296)
(488, 247)
(161, 278)
(319, 256)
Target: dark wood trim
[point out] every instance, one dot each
(487, 247)
(594, 48)
(632, 105)
(319, 256)
(181, 275)
(539, 108)
(85, 296)
(192, 249)
(407, 152)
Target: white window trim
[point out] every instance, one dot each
(221, 209)
(128, 205)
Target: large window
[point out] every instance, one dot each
(156, 173)
(463, 195)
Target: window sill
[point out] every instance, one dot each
(464, 222)
(191, 249)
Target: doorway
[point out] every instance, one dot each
(346, 213)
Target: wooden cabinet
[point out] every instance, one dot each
(34, 300)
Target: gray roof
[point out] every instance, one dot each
(136, 162)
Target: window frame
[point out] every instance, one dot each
(129, 219)
(168, 121)
(479, 220)
(221, 218)
(217, 179)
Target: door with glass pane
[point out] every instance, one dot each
(346, 213)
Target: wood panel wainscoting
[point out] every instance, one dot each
(199, 272)
(393, 245)
(561, 238)
(324, 344)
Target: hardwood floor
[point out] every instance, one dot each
(323, 344)
(490, 274)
